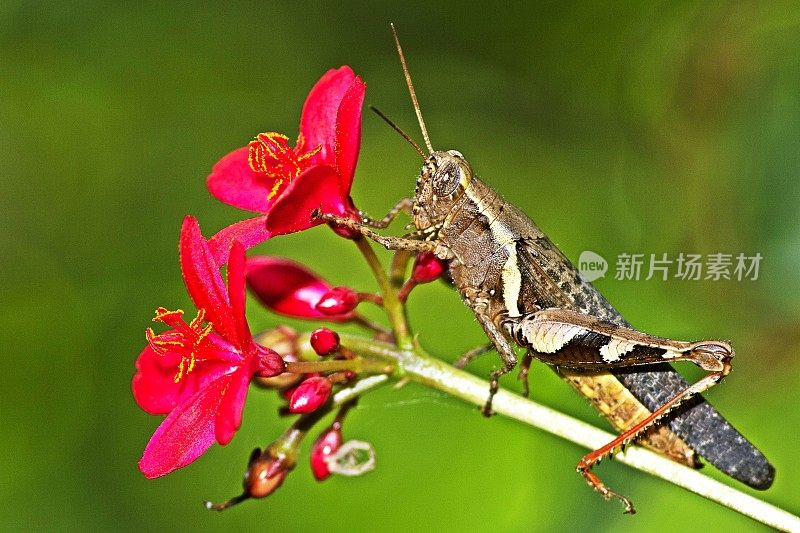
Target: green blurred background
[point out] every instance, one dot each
(669, 128)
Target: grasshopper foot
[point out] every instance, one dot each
(599, 486)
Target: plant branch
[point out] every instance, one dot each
(359, 364)
(419, 366)
(394, 308)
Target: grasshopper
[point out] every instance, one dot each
(524, 291)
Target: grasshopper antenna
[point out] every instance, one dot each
(398, 130)
(411, 90)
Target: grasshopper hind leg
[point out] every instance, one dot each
(585, 465)
(568, 338)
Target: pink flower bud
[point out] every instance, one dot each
(325, 445)
(427, 268)
(287, 392)
(310, 394)
(324, 341)
(338, 301)
(287, 287)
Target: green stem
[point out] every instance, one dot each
(419, 366)
(358, 365)
(397, 273)
(365, 322)
(286, 447)
(394, 308)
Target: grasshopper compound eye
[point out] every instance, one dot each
(451, 170)
(446, 179)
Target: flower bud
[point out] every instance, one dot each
(286, 392)
(287, 287)
(263, 477)
(338, 301)
(324, 341)
(283, 340)
(325, 445)
(427, 268)
(310, 394)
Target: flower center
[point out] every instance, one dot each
(182, 340)
(270, 154)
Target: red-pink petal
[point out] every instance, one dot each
(287, 287)
(318, 120)
(233, 181)
(316, 188)
(237, 292)
(348, 133)
(204, 282)
(154, 387)
(186, 433)
(229, 415)
(250, 232)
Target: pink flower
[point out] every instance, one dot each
(285, 184)
(288, 288)
(198, 373)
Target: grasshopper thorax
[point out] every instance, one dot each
(442, 181)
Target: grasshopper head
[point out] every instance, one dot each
(443, 179)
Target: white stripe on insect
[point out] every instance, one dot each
(511, 276)
(549, 337)
(512, 282)
(615, 349)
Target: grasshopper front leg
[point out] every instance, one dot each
(472, 354)
(571, 339)
(390, 243)
(402, 206)
(506, 353)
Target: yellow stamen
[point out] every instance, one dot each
(179, 375)
(196, 321)
(161, 312)
(269, 154)
(310, 154)
(183, 340)
(275, 187)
